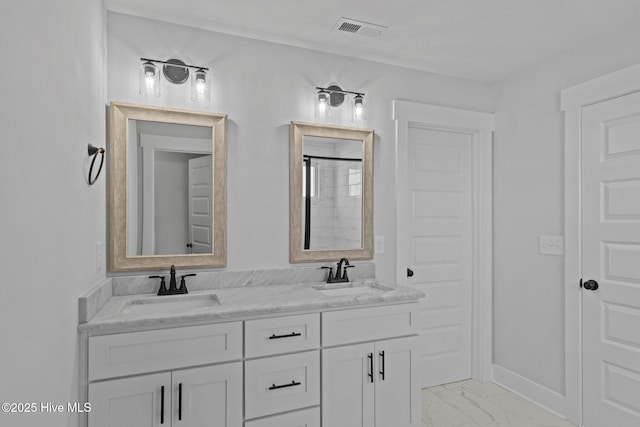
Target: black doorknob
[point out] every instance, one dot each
(590, 285)
(409, 272)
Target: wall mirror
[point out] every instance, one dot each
(330, 193)
(167, 176)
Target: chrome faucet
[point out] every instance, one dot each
(341, 272)
(173, 289)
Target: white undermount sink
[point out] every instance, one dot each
(350, 289)
(170, 304)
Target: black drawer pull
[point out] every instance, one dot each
(162, 405)
(370, 374)
(180, 402)
(292, 384)
(292, 334)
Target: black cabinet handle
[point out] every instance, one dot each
(382, 363)
(180, 402)
(409, 272)
(162, 405)
(370, 356)
(291, 384)
(292, 334)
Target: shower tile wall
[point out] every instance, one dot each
(336, 207)
(348, 209)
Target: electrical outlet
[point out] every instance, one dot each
(552, 245)
(99, 256)
(379, 245)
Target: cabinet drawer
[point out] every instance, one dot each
(281, 383)
(279, 335)
(368, 324)
(148, 351)
(304, 418)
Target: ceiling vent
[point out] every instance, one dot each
(352, 26)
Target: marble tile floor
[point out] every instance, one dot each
(473, 404)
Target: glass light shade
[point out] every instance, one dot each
(149, 79)
(200, 88)
(359, 109)
(323, 106)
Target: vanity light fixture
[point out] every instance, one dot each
(177, 72)
(149, 79)
(358, 108)
(323, 105)
(200, 86)
(333, 96)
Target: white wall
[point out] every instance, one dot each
(52, 93)
(528, 202)
(262, 87)
(51, 220)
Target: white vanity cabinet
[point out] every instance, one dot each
(288, 378)
(177, 396)
(371, 383)
(207, 396)
(352, 367)
(132, 402)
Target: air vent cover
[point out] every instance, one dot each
(358, 27)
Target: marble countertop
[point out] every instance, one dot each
(242, 302)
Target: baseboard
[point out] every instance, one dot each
(536, 393)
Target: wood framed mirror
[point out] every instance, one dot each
(167, 188)
(330, 193)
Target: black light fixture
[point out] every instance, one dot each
(177, 72)
(333, 96)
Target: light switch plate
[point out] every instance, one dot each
(379, 245)
(552, 245)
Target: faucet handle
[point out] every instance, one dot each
(163, 286)
(344, 274)
(330, 277)
(183, 284)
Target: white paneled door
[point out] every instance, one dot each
(439, 248)
(611, 262)
(200, 205)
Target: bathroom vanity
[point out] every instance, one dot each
(307, 354)
(270, 348)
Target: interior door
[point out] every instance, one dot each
(200, 205)
(440, 248)
(611, 262)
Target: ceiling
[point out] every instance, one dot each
(482, 40)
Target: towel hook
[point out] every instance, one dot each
(94, 151)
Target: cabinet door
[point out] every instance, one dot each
(207, 397)
(347, 386)
(131, 402)
(397, 398)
